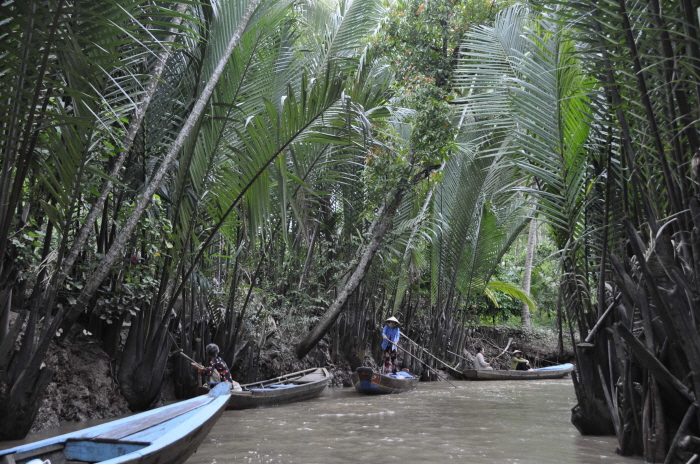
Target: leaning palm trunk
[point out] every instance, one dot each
(378, 230)
(527, 273)
(22, 392)
(128, 141)
(117, 248)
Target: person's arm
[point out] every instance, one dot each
(204, 370)
(384, 330)
(484, 361)
(397, 336)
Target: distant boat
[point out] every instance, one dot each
(368, 382)
(551, 372)
(168, 434)
(288, 388)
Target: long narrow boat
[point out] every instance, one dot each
(164, 435)
(288, 388)
(366, 381)
(551, 372)
(456, 373)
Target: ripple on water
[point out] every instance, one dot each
(478, 422)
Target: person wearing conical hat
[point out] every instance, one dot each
(518, 363)
(390, 336)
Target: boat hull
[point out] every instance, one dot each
(370, 383)
(537, 374)
(169, 434)
(309, 384)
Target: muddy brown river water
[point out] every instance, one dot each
(478, 422)
(475, 423)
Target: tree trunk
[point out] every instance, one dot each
(142, 365)
(527, 275)
(380, 228)
(128, 141)
(117, 248)
(20, 407)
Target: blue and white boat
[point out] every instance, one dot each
(550, 372)
(164, 435)
(368, 382)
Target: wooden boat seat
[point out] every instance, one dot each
(77, 451)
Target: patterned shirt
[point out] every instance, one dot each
(220, 366)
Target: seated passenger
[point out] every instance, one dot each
(481, 363)
(518, 363)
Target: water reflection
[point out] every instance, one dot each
(478, 422)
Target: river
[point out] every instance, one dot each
(477, 422)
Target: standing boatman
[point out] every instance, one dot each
(390, 336)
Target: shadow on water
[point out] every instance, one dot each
(479, 422)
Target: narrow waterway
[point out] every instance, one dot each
(478, 422)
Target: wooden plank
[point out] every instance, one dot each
(95, 451)
(138, 425)
(152, 433)
(42, 450)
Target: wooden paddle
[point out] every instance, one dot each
(179, 351)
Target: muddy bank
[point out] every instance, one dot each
(83, 386)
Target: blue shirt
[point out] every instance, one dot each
(391, 334)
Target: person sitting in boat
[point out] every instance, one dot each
(217, 366)
(390, 336)
(518, 363)
(481, 363)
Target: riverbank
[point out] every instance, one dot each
(84, 387)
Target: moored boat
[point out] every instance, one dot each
(168, 434)
(368, 382)
(288, 388)
(551, 372)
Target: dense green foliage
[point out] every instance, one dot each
(218, 171)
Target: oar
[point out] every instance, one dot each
(437, 374)
(461, 357)
(429, 354)
(179, 351)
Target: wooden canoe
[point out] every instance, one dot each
(552, 372)
(456, 374)
(368, 382)
(168, 434)
(288, 388)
